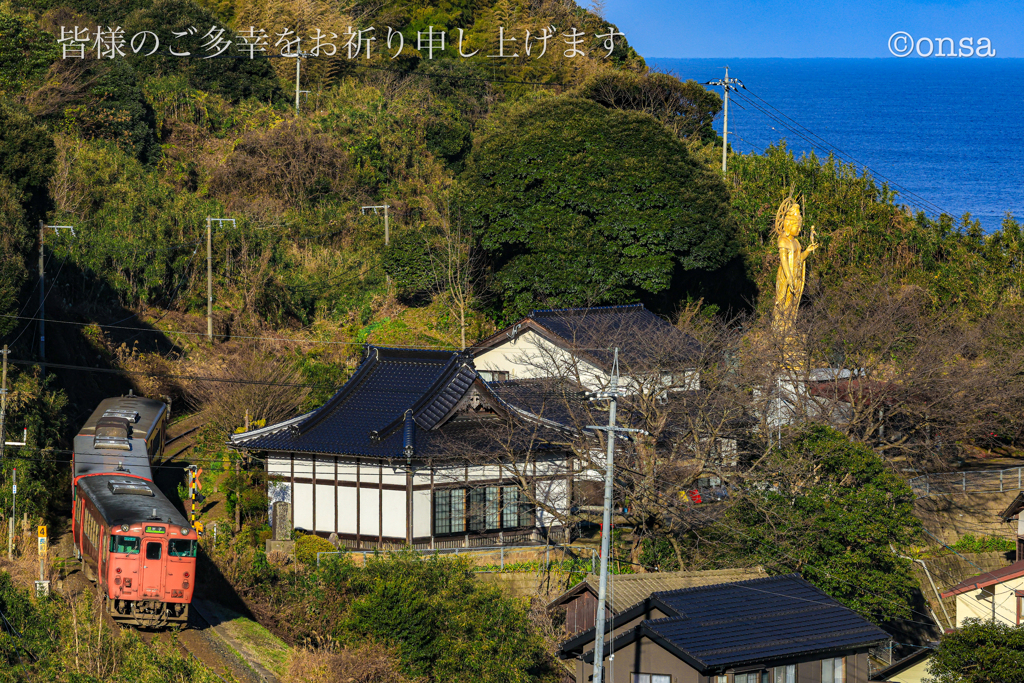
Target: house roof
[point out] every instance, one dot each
(979, 581)
(713, 628)
(645, 340)
(902, 665)
(392, 406)
(1016, 505)
(630, 589)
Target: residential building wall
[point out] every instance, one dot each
(529, 356)
(977, 604)
(393, 502)
(915, 673)
(643, 656)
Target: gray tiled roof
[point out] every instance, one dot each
(759, 620)
(627, 590)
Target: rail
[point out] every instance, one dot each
(574, 550)
(980, 481)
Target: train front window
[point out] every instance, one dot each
(181, 548)
(153, 551)
(124, 544)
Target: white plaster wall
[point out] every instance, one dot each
(325, 502)
(530, 356)
(368, 472)
(394, 513)
(444, 476)
(277, 492)
(421, 513)
(395, 474)
(346, 510)
(369, 521)
(325, 469)
(302, 506)
(978, 604)
(914, 674)
(279, 466)
(553, 493)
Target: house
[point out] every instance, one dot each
(910, 669)
(401, 455)
(777, 629)
(1012, 512)
(998, 595)
(579, 603)
(577, 343)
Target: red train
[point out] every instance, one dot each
(130, 538)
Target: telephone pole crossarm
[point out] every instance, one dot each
(727, 84)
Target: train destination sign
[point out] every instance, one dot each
(155, 530)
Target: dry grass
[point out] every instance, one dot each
(369, 663)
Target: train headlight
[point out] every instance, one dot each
(184, 531)
(124, 527)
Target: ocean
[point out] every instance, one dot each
(948, 132)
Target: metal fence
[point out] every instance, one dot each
(945, 483)
(556, 553)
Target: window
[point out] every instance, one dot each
(487, 508)
(785, 674)
(181, 547)
(652, 678)
(494, 375)
(748, 677)
(477, 500)
(833, 670)
(721, 679)
(124, 544)
(153, 551)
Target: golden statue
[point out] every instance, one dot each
(789, 282)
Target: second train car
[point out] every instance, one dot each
(132, 540)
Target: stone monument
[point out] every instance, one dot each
(282, 529)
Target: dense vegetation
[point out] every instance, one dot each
(979, 652)
(511, 184)
(440, 623)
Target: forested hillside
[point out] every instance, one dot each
(554, 170)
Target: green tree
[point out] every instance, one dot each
(686, 107)
(26, 51)
(835, 512)
(979, 652)
(578, 204)
(26, 162)
(235, 79)
(446, 625)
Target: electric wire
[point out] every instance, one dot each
(826, 147)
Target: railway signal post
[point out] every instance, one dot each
(42, 585)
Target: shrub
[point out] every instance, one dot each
(309, 545)
(968, 543)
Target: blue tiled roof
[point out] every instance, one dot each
(367, 415)
(643, 338)
(758, 621)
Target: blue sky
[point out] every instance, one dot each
(809, 28)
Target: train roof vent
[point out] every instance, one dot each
(119, 443)
(126, 413)
(129, 487)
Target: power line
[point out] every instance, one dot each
(828, 147)
(118, 371)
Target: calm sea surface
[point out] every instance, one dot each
(950, 132)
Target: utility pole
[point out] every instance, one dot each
(606, 527)
(42, 299)
(3, 404)
(727, 84)
(209, 271)
(298, 63)
(209, 279)
(42, 289)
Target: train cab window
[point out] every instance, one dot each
(124, 544)
(153, 551)
(181, 548)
